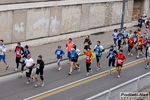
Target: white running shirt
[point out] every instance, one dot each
(29, 62)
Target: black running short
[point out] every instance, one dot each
(119, 65)
(98, 58)
(39, 71)
(28, 73)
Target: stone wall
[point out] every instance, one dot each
(29, 24)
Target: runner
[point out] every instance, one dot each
(87, 43)
(148, 58)
(59, 52)
(140, 46)
(125, 35)
(147, 46)
(19, 52)
(140, 23)
(29, 62)
(112, 56)
(135, 36)
(3, 53)
(39, 70)
(120, 37)
(130, 34)
(120, 59)
(89, 55)
(147, 25)
(98, 49)
(130, 46)
(114, 34)
(78, 53)
(26, 52)
(143, 17)
(69, 46)
(74, 59)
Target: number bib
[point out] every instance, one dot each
(27, 70)
(87, 57)
(119, 61)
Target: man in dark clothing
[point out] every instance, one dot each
(39, 69)
(87, 43)
(140, 22)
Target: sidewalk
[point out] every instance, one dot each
(47, 51)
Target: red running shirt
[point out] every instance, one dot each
(88, 57)
(131, 42)
(120, 58)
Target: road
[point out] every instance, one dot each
(14, 88)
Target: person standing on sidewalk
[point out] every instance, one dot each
(39, 70)
(3, 53)
(74, 59)
(147, 26)
(120, 59)
(114, 34)
(98, 49)
(26, 52)
(29, 63)
(112, 57)
(87, 43)
(19, 51)
(120, 37)
(69, 46)
(89, 55)
(59, 52)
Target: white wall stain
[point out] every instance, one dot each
(19, 27)
(54, 22)
(119, 12)
(41, 22)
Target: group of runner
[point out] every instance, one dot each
(136, 41)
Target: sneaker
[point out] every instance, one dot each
(37, 84)
(131, 54)
(78, 65)
(59, 68)
(98, 68)
(87, 74)
(118, 76)
(78, 69)
(7, 67)
(28, 82)
(91, 71)
(137, 57)
(147, 67)
(16, 69)
(43, 84)
(109, 71)
(69, 73)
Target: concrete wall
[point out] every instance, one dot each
(43, 20)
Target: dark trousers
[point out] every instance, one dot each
(18, 61)
(119, 44)
(88, 67)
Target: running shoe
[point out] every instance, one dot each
(91, 72)
(129, 54)
(43, 84)
(69, 73)
(137, 57)
(59, 68)
(16, 69)
(118, 76)
(87, 74)
(78, 69)
(147, 67)
(98, 68)
(37, 84)
(28, 82)
(7, 67)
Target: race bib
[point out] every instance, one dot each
(58, 52)
(119, 61)
(111, 56)
(86, 43)
(17, 52)
(27, 70)
(140, 43)
(119, 38)
(87, 57)
(38, 67)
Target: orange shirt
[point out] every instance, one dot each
(70, 46)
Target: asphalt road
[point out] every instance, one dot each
(14, 88)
